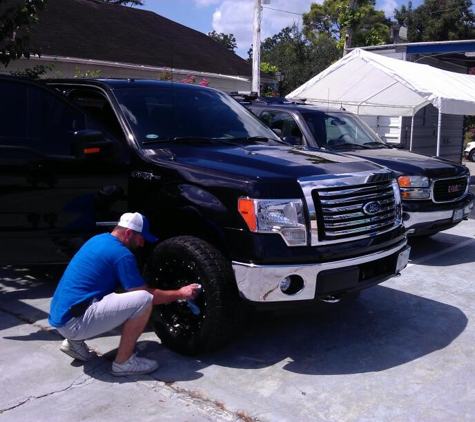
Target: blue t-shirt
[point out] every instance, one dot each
(101, 266)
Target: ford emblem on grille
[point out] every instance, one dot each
(372, 208)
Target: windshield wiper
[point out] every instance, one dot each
(190, 139)
(346, 145)
(193, 140)
(261, 139)
(377, 144)
(205, 140)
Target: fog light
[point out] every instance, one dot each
(291, 285)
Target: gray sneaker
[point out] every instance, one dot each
(134, 366)
(77, 350)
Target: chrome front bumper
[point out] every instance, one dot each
(261, 283)
(412, 219)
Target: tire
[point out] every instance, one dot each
(183, 260)
(471, 155)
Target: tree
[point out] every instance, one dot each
(227, 40)
(35, 72)
(337, 18)
(15, 21)
(438, 20)
(292, 53)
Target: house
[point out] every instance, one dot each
(455, 56)
(87, 36)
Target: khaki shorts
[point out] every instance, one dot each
(106, 314)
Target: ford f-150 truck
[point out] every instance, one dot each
(247, 216)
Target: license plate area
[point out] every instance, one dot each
(403, 259)
(458, 215)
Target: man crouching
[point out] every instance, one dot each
(85, 304)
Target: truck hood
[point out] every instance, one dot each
(409, 163)
(257, 161)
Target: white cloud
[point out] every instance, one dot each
(237, 18)
(388, 6)
(206, 3)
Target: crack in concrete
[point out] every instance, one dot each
(199, 399)
(74, 384)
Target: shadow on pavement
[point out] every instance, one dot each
(385, 328)
(436, 250)
(19, 286)
(100, 367)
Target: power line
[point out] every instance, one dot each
(283, 11)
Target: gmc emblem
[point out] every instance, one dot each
(454, 188)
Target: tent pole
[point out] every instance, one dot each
(439, 127)
(412, 132)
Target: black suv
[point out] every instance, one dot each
(435, 192)
(237, 210)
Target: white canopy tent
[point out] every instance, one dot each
(370, 84)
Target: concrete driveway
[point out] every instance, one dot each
(405, 351)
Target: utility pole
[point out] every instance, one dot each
(256, 48)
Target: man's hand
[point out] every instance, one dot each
(190, 291)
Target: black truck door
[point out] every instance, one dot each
(62, 176)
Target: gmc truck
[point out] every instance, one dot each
(435, 192)
(252, 219)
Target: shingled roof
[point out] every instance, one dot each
(102, 31)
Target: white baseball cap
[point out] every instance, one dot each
(139, 223)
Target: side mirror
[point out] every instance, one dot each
(88, 144)
(278, 132)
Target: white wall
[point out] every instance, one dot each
(68, 68)
(388, 128)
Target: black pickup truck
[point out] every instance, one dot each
(247, 216)
(435, 192)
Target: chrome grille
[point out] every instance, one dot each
(449, 190)
(351, 206)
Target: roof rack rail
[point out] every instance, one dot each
(281, 100)
(244, 96)
(251, 96)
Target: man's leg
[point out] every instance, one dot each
(110, 312)
(132, 309)
(131, 331)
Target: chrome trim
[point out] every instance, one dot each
(363, 187)
(106, 223)
(443, 179)
(414, 218)
(260, 283)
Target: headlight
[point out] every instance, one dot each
(282, 216)
(397, 192)
(397, 199)
(414, 187)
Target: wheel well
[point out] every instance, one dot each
(189, 221)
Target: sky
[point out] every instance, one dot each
(237, 16)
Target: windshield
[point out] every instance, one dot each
(171, 112)
(335, 130)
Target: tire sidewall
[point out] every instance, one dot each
(220, 314)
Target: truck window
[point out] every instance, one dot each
(282, 121)
(36, 118)
(96, 105)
